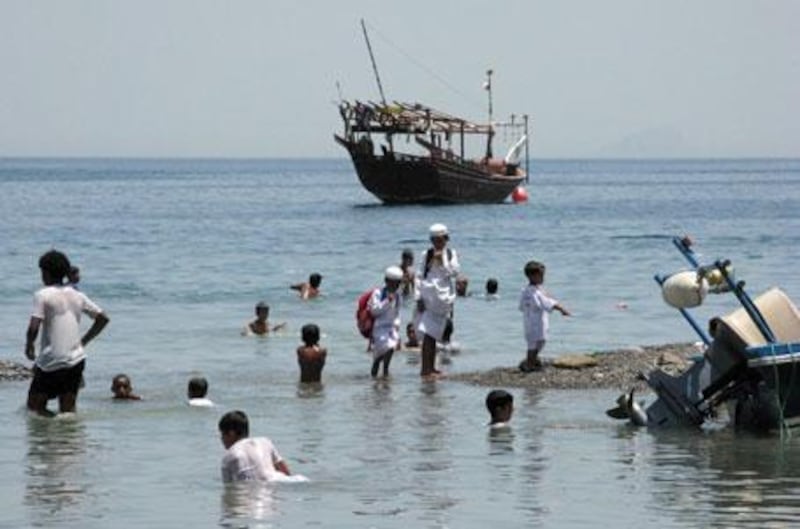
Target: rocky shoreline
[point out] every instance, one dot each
(617, 369)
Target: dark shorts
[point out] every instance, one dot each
(58, 382)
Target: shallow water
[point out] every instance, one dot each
(178, 252)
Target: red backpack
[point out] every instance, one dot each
(364, 318)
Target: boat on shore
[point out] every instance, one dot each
(433, 167)
(749, 373)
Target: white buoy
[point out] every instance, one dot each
(684, 290)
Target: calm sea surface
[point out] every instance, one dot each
(178, 252)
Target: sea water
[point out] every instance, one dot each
(179, 251)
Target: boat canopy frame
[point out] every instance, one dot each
(417, 119)
(413, 118)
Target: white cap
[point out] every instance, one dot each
(394, 273)
(437, 230)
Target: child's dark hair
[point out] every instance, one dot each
(198, 387)
(315, 279)
(491, 286)
(532, 267)
(235, 421)
(56, 264)
(497, 398)
(310, 334)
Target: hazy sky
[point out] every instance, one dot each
(612, 78)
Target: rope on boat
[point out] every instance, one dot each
(425, 68)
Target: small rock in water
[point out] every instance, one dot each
(669, 358)
(577, 361)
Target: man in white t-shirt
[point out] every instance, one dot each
(57, 309)
(248, 458)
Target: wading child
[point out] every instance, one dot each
(500, 405)
(197, 391)
(408, 285)
(260, 326)
(411, 337)
(535, 305)
(311, 289)
(384, 305)
(57, 309)
(247, 458)
(122, 388)
(491, 289)
(310, 356)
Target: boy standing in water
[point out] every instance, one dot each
(384, 305)
(535, 305)
(407, 285)
(310, 356)
(57, 309)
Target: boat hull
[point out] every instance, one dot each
(407, 179)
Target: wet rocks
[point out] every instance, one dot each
(617, 369)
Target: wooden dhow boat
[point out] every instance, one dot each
(433, 166)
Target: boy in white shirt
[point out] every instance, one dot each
(384, 305)
(535, 305)
(197, 391)
(57, 309)
(248, 458)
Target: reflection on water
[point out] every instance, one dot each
(433, 461)
(310, 390)
(501, 440)
(728, 478)
(57, 485)
(252, 500)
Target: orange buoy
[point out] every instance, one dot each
(519, 195)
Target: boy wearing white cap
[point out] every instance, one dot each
(384, 305)
(435, 296)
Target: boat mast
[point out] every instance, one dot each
(377, 78)
(488, 86)
(374, 65)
